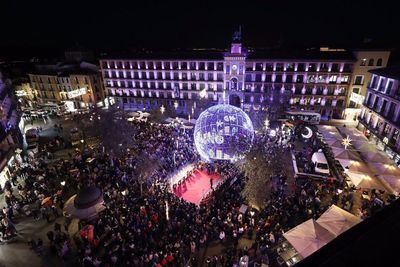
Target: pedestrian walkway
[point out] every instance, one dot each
(196, 186)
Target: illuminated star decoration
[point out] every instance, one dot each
(219, 123)
(346, 142)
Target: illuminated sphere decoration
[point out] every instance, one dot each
(223, 132)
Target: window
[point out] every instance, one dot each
(371, 62)
(389, 86)
(335, 67)
(333, 79)
(323, 67)
(373, 81)
(321, 78)
(279, 67)
(375, 102)
(356, 90)
(345, 79)
(228, 69)
(312, 67)
(392, 110)
(299, 78)
(381, 86)
(289, 78)
(383, 107)
(379, 62)
(311, 79)
(300, 67)
(278, 78)
(359, 80)
(363, 62)
(289, 67)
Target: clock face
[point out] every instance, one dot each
(234, 67)
(219, 139)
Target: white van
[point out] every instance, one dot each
(320, 162)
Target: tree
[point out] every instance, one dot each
(258, 166)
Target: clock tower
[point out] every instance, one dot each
(234, 72)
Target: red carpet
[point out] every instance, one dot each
(196, 186)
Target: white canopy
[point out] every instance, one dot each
(359, 167)
(334, 143)
(332, 135)
(144, 114)
(133, 114)
(346, 163)
(364, 146)
(329, 132)
(341, 153)
(353, 134)
(308, 237)
(337, 220)
(375, 157)
(385, 169)
(365, 181)
(392, 181)
(326, 128)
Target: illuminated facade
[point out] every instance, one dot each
(10, 135)
(315, 80)
(77, 86)
(223, 132)
(380, 114)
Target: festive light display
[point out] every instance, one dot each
(346, 142)
(223, 132)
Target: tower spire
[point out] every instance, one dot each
(237, 35)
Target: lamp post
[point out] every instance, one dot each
(266, 123)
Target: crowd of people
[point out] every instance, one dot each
(144, 223)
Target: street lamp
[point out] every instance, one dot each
(266, 123)
(162, 109)
(176, 105)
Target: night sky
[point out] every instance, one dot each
(43, 26)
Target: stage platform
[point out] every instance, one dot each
(196, 186)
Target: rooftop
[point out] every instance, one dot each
(389, 72)
(205, 54)
(307, 54)
(62, 69)
(370, 243)
(218, 54)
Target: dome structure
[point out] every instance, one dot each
(223, 132)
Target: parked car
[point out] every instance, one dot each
(320, 162)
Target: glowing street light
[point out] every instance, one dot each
(176, 105)
(162, 109)
(266, 123)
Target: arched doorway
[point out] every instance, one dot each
(234, 100)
